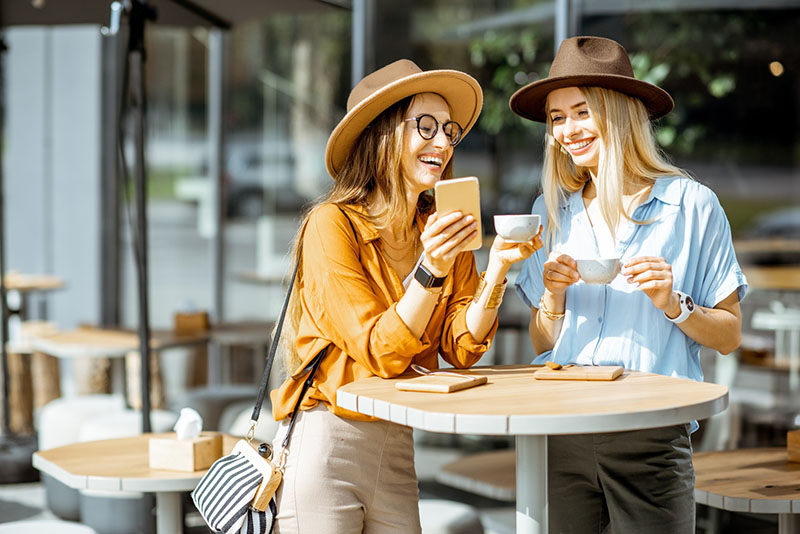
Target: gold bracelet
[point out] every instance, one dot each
(547, 313)
(495, 298)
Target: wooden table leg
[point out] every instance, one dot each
(169, 519)
(531, 484)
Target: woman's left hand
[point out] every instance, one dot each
(508, 252)
(653, 275)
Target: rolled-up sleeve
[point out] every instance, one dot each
(458, 347)
(342, 303)
(719, 273)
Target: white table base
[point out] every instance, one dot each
(168, 512)
(531, 484)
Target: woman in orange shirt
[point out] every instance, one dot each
(383, 281)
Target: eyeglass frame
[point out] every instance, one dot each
(418, 118)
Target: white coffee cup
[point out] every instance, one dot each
(517, 228)
(598, 270)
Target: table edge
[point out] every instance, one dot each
(540, 424)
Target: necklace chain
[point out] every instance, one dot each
(386, 246)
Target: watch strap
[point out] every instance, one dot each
(427, 278)
(687, 307)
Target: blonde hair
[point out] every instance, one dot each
(371, 171)
(628, 151)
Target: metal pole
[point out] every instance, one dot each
(359, 54)
(140, 11)
(561, 22)
(3, 296)
(140, 185)
(109, 186)
(216, 149)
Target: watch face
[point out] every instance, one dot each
(689, 303)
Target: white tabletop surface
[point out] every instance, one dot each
(513, 402)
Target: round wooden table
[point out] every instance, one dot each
(25, 284)
(514, 403)
(761, 481)
(123, 465)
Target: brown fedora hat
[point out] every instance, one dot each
(391, 84)
(589, 61)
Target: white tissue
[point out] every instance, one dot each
(189, 424)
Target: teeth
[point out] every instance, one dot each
(432, 160)
(578, 145)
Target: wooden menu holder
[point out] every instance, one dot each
(579, 372)
(441, 383)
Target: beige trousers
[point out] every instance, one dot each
(347, 477)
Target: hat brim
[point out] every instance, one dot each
(529, 101)
(461, 92)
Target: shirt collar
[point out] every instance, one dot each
(358, 216)
(366, 230)
(667, 190)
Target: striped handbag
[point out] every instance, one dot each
(237, 491)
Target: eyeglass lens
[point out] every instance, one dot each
(428, 126)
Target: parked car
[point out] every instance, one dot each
(779, 233)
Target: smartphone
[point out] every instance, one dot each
(461, 194)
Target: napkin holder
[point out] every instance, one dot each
(191, 322)
(188, 455)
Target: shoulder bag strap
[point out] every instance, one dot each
(312, 366)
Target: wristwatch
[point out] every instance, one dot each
(687, 307)
(427, 279)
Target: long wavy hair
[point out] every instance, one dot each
(370, 177)
(628, 152)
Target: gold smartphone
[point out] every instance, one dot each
(461, 194)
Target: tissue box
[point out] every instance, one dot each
(169, 452)
(188, 323)
(793, 445)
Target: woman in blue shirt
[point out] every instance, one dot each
(608, 192)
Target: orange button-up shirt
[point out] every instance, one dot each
(348, 297)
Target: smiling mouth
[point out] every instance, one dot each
(579, 146)
(432, 160)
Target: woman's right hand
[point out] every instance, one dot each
(560, 271)
(443, 239)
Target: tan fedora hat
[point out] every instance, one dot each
(589, 61)
(391, 84)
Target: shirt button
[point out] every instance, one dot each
(599, 319)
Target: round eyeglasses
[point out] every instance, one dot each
(428, 127)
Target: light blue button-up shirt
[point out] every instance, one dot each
(615, 324)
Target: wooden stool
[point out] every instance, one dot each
(20, 394)
(33, 379)
(133, 380)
